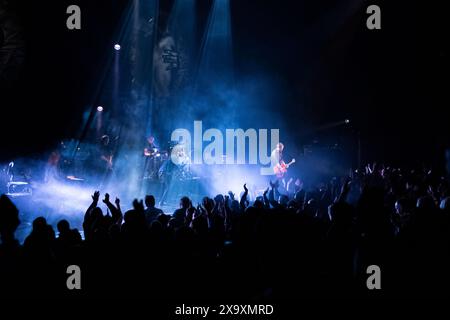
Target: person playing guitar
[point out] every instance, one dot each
(150, 149)
(151, 153)
(280, 168)
(106, 154)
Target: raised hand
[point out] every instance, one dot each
(96, 196)
(106, 200)
(431, 192)
(245, 187)
(274, 185)
(370, 169)
(117, 201)
(347, 183)
(345, 190)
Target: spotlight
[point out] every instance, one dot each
(99, 108)
(347, 120)
(117, 47)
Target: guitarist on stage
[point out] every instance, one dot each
(105, 159)
(277, 155)
(280, 169)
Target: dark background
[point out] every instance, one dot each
(389, 82)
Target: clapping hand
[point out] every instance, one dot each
(96, 196)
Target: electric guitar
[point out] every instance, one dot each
(281, 168)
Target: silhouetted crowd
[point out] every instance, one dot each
(314, 242)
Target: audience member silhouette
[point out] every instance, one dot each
(315, 241)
